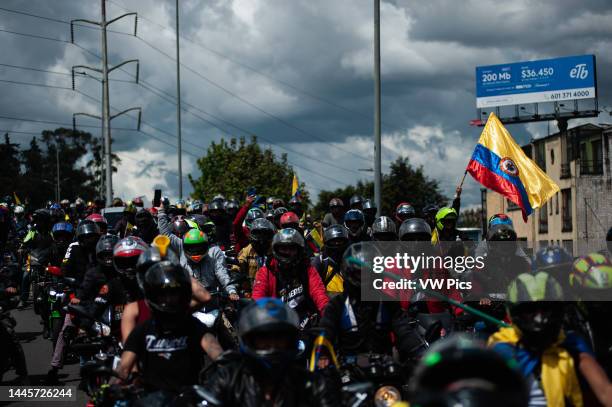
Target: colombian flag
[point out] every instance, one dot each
(500, 164)
(295, 188)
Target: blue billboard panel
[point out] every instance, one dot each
(547, 80)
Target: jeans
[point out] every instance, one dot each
(57, 361)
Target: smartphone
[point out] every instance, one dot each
(252, 191)
(157, 198)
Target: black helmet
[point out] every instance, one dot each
(501, 233)
(104, 249)
(369, 206)
(383, 229)
(335, 240)
(217, 205)
(462, 372)
(534, 309)
(153, 255)
(404, 211)
(57, 215)
(288, 237)
(262, 232)
(430, 210)
(42, 219)
(232, 206)
(354, 259)
(167, 289)
(179, 226)
(278, 212)
(356, 202)
(269, 215)
(354, 222)
(336, 203)
(271, 318)
(415, 229)
(88, 233)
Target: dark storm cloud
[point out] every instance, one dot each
(429, 52)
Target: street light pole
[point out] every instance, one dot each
(377, 138)
(106, 111)
(178, 106)
(57, 162)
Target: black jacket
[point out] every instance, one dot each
(77, 261)
(375, 321)
(233, 382)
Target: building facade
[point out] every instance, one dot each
(579, 216)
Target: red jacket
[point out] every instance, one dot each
(241, 236)
(265, 285)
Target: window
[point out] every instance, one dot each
(511, 206)
(552, 156)
(543, 223)
(566, 208)
(551, 209)
(557, 203)
(540, 158)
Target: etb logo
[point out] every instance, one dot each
(579, 72)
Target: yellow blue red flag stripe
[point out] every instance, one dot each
(501, 165)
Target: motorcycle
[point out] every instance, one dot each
(57, 292)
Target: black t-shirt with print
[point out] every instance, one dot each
(168, 361)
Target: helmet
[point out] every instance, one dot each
(217, 205)
(415, 230)
(404, 211)
(79, 203)
(552, 257)
(87, 234)
(278, 203)
(117, 202)
(269, 318)
(179, 226)
(232, 206)
(104, 249)
(336, 203)
(278, 212)
(218, 198)
(252, 214)
(143, 219)
(19, 210)
(269, 202)
(62, 232)
(154, 254)
(592, 272)
(383, 229)
(460, 371)
(57, 214)
(335, 240)
(262, 229)
(269, 215)
(355, 257)
(294, 201)
(430, 210)
(195, 245)
(55, 205)
(126, 253)
(532, 308)
(354, 222)
(501, 232)
(138, 202)
(289, 220)
(180, 204)
(200, 221)
(368, 205)
(100, 221)
(42, 219)
(500, 219)
(445, 213)
(356, 202)
(167, 289)
(288, 238)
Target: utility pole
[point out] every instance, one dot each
(57, 198)
(105, 71)
(377, 141)
(178, 105)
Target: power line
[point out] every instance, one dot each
(83, 74)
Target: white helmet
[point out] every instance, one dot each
(19, 210)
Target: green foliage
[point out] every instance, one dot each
(470, 218)
(231, 168)
(402, 184)
(32, 173)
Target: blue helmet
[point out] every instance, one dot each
(63, 227)
(354, 221)
(551, 257)
(500, 219)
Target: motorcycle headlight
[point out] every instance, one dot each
(386, 396)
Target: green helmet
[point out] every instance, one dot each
(593, 271)
(195, 245)
(445, 213)
(528, 287)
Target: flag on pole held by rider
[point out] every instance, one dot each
(295, 188)
(17, 200)
(501, 165)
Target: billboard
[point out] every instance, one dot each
(547, 80)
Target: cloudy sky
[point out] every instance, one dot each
(296, 73)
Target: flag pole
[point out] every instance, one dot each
(460, 185)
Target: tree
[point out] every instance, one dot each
(471, 218)
(11, 167)
(33, 188)
(96, 165)
(231, 168)
(403, 184)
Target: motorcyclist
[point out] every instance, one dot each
(404, 211)
(169, 348)
(462, 372)
(223, 225)
(179, 226)
(266, 371)
(21, 223)
(259, 250)
(100, 221)
(124, 226)
(496, 221)
(358, 327)
(356, 202)
(38, 242)
(278, 213)
(203, 261)
(231, 207)
(446, 227)
(290, 277)
(429, 214)
(384, 229)
(555, 261)
(63, 234)
(81, 255)
(369, 212)
(354, 221)
(295, 206)
(241, 222)
(144, 226)
(335, 242)
(335, 214)
(552, 361)
(290, 220)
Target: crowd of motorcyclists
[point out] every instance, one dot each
(256, 303)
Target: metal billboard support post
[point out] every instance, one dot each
(377, 137)
(178, 105)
